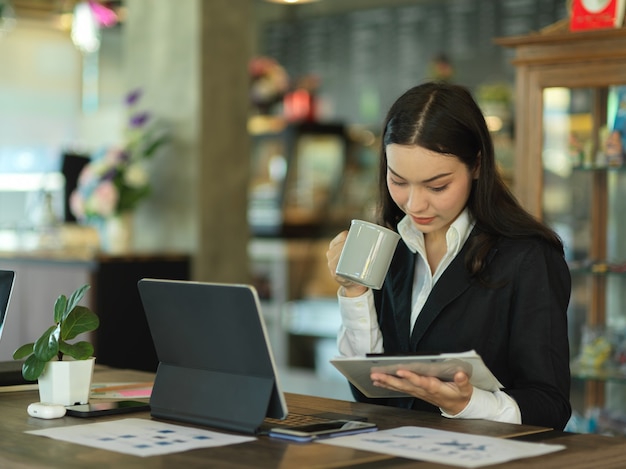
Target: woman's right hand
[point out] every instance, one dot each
(349, 288)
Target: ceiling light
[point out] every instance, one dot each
(85, 28)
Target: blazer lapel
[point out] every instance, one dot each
(402, 284)
(454, 281)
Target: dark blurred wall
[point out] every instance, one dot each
(367, 52)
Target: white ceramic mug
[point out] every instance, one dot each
(367, 253)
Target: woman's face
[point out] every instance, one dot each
(430, 187)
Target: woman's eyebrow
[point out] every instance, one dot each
(425, 181)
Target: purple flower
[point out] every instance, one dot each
(133, 97)
(124, 156)
(139, 119)
(110, 174)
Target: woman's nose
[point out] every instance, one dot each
(417, 201)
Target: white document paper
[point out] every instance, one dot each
(452, 448)
(140, 437)
(443, 366)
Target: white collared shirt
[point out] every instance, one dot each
(359, 333)
(424, 280)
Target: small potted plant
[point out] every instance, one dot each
(65, 382)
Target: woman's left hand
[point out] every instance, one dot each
(451, 397)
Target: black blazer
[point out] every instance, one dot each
(517, 323)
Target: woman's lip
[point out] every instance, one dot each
(423, 221)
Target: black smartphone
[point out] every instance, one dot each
(96, 409)
(328, 429)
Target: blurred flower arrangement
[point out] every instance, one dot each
(269, 82)
(116, 179)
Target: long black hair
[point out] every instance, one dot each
(445, 118)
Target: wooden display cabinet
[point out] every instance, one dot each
(567, 96)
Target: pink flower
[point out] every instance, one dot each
(77, 205)
(105, 199)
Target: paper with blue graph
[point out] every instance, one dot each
(140, 437)
(443, 447)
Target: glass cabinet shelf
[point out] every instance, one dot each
(599, 168)
(600, 374)
(595, 267)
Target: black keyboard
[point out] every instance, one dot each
(295, 419)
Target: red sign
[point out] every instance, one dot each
(596, 14)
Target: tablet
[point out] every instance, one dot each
(443, 366)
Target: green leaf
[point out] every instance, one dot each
(71, 319)
(59, 308)
(47, 346)
(80, 350)
(32, 368)
(152, 147)
(80, 319)
(74, 299)
(129, 197)
(24, 351)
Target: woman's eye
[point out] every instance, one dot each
(395, 182)
(439, 188)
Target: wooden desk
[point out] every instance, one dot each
(19, 450)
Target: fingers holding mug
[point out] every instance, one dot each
(366, 254)
(334, 253)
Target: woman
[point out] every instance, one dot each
(473, 271)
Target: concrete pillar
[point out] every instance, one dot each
(227, 29)
(190, 58)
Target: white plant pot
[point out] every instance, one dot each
(66, 382)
